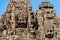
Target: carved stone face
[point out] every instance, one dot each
(49, 33)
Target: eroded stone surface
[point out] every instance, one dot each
(19, 22)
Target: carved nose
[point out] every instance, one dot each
(49, 36)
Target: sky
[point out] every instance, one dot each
(35, 5)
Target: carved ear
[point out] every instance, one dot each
(4, 27)
(1, 30)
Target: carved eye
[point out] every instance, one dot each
(47, 30)
(48, 12)
(51, 30)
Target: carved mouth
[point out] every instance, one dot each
(49, 36)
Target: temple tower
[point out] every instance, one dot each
(18, 20)
(46, 18)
